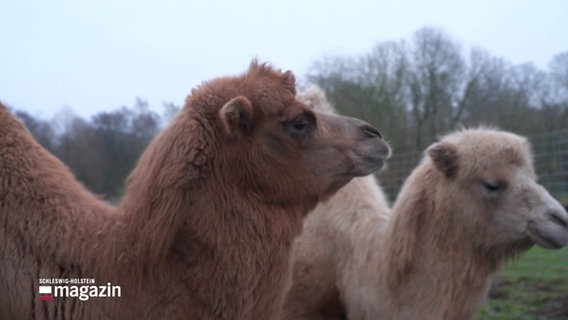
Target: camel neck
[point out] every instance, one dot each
(435, 270)
(161, 189)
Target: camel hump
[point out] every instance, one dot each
(315, 97)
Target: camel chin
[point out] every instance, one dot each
(551, 235)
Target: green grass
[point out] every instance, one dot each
(562, 198)
(534, 287)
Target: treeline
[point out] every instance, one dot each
(101, 152)
(411, 90)
(416, 90)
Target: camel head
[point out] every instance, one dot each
(489, 175)
(280, 146)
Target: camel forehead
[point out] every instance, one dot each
(489, 148)
(269, 90)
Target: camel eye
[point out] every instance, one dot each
(300, 124)
(493, 187)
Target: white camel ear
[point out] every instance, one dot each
(236, 115)
(445, 158)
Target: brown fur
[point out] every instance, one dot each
(206, 225)
(434, 255)
(48, 223)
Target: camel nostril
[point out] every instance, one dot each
(555, 216)
(371, 131)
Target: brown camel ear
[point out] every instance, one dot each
(236, 115)
(290, 81)
(445, 158)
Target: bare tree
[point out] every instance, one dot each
(559, 69)
(435, 81)
(554, 94)
(42, 130)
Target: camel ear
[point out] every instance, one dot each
(445, 158)
(290, 81)
(236, 115)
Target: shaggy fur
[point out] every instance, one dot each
(472, 204)
(49, 224)
(209, 215)
(456, 221)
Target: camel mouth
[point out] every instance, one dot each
(369, 159)
(379, 156)
(545, 240)
(369, 164)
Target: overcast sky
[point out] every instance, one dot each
(94, 55)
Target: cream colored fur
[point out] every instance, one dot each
(471, 205)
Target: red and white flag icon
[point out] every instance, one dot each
(45, 293)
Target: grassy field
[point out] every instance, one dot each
(534, 287)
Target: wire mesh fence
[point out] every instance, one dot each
(551, 162)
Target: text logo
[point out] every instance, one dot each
(83, 289)
(45, 293)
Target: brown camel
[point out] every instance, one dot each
(208, 218)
